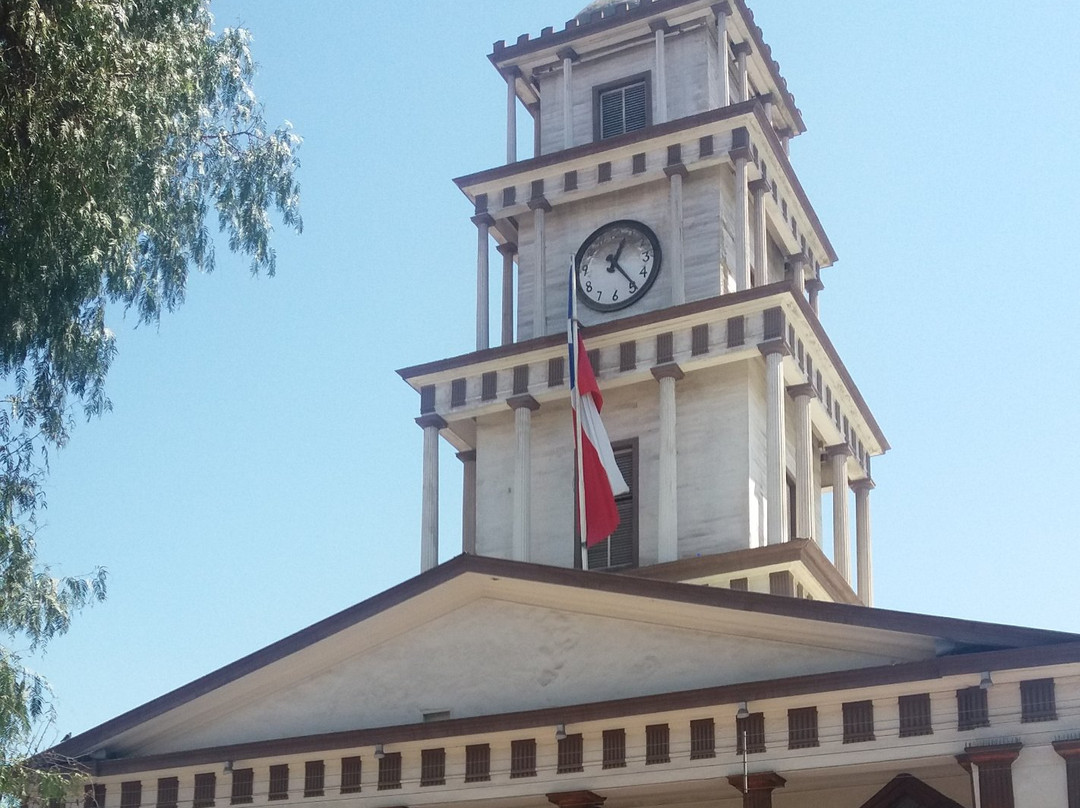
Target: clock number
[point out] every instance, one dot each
(615, 296)
(633, 287)
(599, 295)
(646, 255)
(588, 286)
(644, 272)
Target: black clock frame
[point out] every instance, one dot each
(657, 263)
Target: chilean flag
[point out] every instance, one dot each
(596, 464)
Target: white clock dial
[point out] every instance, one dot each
(617, 264)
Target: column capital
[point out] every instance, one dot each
(523, 401)
(757, 781)
(721, 9)
(431, 419)
(539, 203)
(576, 799)
(802, 390)
(797, 259)
(838, 450)
(814, 285)
(659, 25)
(483, 220)
(743, 48)
(1068, 749)
(741, 153)
(759, 188)
(774, 346)
(676, 168)
(468, 456)
(1004, 753)
(512, 73)
(509, 248)
(668, 370)
(567, 53)
(786, 132)
(863, 484)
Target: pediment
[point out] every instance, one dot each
(481, 637)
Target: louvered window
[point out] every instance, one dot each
(168, 792)
(752, 728)
(523, 758)
(131, 794)
(623, 109)
(802, 728)
(971, 708)
(94, 795)
(571, 754)
(1037, 701)
(915, 715)
(657, 744)
(477, 763)
(279, 782)
(390, 771)
(314, 778)
(351, 770)
(432, 767)
(243, 786)
(619, 550)
(702, 738)
(614, 748)
(858, 721)
(205, 790)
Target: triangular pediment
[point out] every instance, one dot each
(905, 791)
(481, 637)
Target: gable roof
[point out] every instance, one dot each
(922, 644)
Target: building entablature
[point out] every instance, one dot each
(620, 25)
(697, 335)
(692, 144)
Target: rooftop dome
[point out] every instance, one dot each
(603, 6)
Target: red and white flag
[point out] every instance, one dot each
(599, 478)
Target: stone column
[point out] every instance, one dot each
(758, 189)
(568, 56)
(668, 530)
(741, 51)
(990, 768)
(776, 467)
(511, 115)
(813, 288)
(429, 507)
(534, 110)
(674, 256)
(483, 222)
(1070, 752)
(468, 501)
(540, 206)
(815, 501)
(523, 407)
(722, 12)
(785, 139)
(659, 28)
(838, 456)
(757, 788)
(508, 251)
(802, 395)
(797, 262)
(863, 558)
(741, 156)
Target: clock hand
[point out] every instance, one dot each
(613, 260)
(616, 266)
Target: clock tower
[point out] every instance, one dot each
(660, 168)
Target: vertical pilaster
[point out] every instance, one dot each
(757, 788)
(813, 288)
(838, 456)
(540, 206)
(568, 56)
(674, 257)
(990, 768)
(785, 139)
(815, 501)
(802, 395)
(511, 114)
(775, 475)
(797, 262)
(483, 223)
(429, 506)
(534, 111)
(668, 528)
(758, 189)
(723, 56)
(507, 251)
(523, 407)
(741, 156)
(863, 559)
(742, 51)
(660, 112)
(1070, 751)
(468, 501)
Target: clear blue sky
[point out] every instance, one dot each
(261, 469)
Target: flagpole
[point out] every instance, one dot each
(579, 471)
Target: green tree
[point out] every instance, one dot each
(125, 125)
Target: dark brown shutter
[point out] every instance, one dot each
(390, 771)
(279, 782)
(427, 399)
(614, 748)
(753, 729)
(699, 339)
(205, 790)
(858, 721)
(665, 344)
(774, 323)
(740, 584)
(802, 727)
(571, 754)
(619, 550)
(523, 758)
(457, 392)
(915, 716)
(1072, 780)
(521, 379)
(243, 786)
(477, 763)
(94, 795)
(782, 583)
(603, 172)
(1037, 701)
(168, 792)
(638, 163)
(432, 767)
(702, 738)
(657, 744)
(314, 778)
(705, 146)
(488, 385)
(509, 196)
(736, 331)
(627, 356)
(131, 794)
(556, 371)
(971, 708)
(351, 774)
(996, 784)
(570, 181)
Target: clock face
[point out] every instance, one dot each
(616, 265)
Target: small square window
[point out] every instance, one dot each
(802, 728)
(1037, 701)
(622, 109)
(752, 729)
(858, 721)
(915, 715)
(971, 708)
